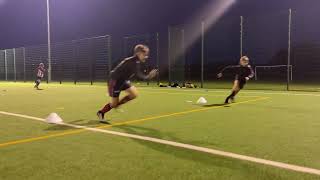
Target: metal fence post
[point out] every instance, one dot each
(157, 58)
(75, 65)
(289, 49)
(169, 54)
(202, 52)
(109, 56)
(49, 41)
(183, 46)
(14, 65)
(241, 36)
(6, 65)
(24, 64)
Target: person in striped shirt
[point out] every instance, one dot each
(244, 73)
(40, 74)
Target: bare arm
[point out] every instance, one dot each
(141, 75)
(251, 75)
(225, 68)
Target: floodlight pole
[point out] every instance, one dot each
(49, 41)
(289, 49)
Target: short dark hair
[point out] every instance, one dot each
(140, 48)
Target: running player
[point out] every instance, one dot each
(243, 72)
(120, 79)
(40, 74)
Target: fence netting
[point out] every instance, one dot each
(283, 48)
(305, 53)
(265, 41)
(152, 41)
(222, 48)
(85, 60)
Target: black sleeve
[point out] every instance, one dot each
(229, 67)
(139, 72)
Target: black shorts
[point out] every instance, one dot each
(115, 87)
(38, 79)
(242, 83)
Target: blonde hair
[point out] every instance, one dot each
(246, 58)
(141, 48)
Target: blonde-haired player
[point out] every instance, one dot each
(120, 79)
(243, 72)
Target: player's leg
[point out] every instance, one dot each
(38, 81)
(237, 88)
(114, 90)
(114, 103)
(234, 92)
(132, 93)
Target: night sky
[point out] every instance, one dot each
(23, 22)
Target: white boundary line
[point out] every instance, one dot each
(185, 146)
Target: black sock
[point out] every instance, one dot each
(230, 96)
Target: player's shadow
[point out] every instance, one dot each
(80, 122)
(190, 155)
(217, 105)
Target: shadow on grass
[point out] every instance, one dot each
(246, 168)
(80, 122)
(216, 105)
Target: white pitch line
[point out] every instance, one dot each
(185, 146)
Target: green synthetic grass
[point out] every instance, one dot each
(281, 128)
(280, 85)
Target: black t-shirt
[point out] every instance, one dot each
(241, 72)
(128, 68)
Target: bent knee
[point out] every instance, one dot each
(134, 95)
(114, 104)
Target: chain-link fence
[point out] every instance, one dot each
(305, 50)
(83, 60)
(282, 46)
(152, 41)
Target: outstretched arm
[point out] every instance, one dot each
(251, 75)
(225, 68)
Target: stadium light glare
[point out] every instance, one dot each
(211, 14)
(2, 2)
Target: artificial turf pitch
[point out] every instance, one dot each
(279, 126)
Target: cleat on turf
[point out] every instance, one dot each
(100, 115)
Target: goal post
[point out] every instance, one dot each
(272, 68)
